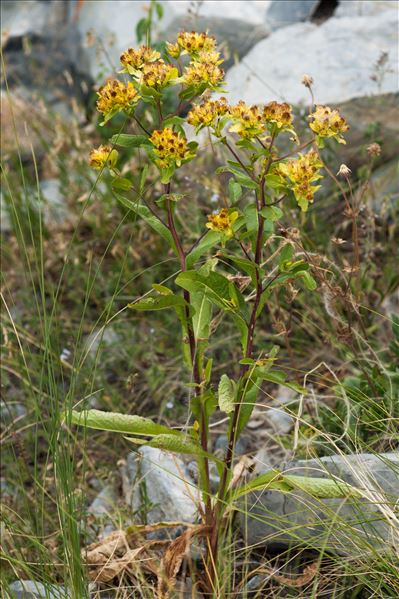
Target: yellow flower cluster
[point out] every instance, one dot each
(203, 73)
(281, 114)
(135, 59)
(326, 122)
(223, 222)
(115, 96)
(301, 173)
(103, 156)
(248, 121)
(206, 114)
(158, 74)
(191, 43)
(170, 147)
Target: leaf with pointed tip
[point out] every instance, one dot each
(119, 423)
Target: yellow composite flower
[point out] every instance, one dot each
(281, 114)
(115, 96)
(247, 120)
(158, 74)
(103, 156)
(223, 222)
(326, 122)
(170, 147)
(134, 59)
(203, 73)
(207, 113)
(302, 172)
(192, 42)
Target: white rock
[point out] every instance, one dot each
(281, 13)
(340, 55)
(365, 8)
(23, 17)
(346, 525)
(170, 493)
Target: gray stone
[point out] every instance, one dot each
(222, 441)
(30, 589)
(102, 337)
(104, 503)
(340, 55)
(383, 189)
(55, 209)
(10, 411)
(348, 526)
(161, 487)
(282, 13)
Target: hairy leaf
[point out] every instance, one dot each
(119, 423)
(226, 394)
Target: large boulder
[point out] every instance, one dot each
(160, 487)
(341, 54)
(347, 526)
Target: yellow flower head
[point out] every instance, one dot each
(170, 147)
(135, 59)
(192, 42)
(223, 222)
(209, 56)
(115, 96)
(281, 114)
(301, 173)
(205, 74)
(207, 113)
(174, 50)
(103, 156)
(158, 74)
(326, 122)
(248, 121)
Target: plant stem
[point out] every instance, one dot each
(196, 370)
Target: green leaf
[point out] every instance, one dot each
(141, 29)
(159, 9)
(243, 264)
(119, 423)
(274, 181)
(161, 302)
(279, 378)
(175, 443)
(246, 181)
(272, 213)
(150, 219)
(162, 289)
(178, 121)
(251, 218)
(246, 408)
(308, 280)
(130, 141)
(121, 183)
(226, 394)
(235, 191)
(321, 488)
(209, 240)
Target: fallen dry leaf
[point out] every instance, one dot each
(174, 557)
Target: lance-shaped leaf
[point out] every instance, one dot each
(320, 488)
(209, 240)
(120, 423)
(226, 394)
(149, 218)
(175, 443)
(161, 302)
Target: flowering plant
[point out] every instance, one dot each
(202, 288)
